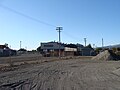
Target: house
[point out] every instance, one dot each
(6, 51)
(21, 51)
(79, 49)
(53, 49)
(2, 49)
(87, 51)
(68, 51)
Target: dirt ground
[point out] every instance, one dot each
(70, 74)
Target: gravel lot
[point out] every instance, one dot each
(71, 74)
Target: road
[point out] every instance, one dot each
(63, 75)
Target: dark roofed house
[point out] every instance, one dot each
(52, 49)
(6, 51)
(88, 51)
(3, 46)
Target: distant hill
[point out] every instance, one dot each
(113, 46)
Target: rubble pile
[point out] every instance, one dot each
(106, 55)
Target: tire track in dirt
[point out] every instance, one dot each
(63, 75)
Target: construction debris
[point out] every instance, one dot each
(106, 55)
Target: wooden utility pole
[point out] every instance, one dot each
(102, 43)
(59, 31)
(20, 44)
(85, 40)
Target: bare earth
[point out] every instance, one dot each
(73, 74)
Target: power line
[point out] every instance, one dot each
(24, 15)
(34, 19)
(71, 36)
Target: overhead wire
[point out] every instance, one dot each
(71, 36)
(26, 16)
(34, 19)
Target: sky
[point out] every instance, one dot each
(35, 21)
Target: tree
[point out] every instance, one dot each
(39, 49)
(6, 44)
(89, 46)
(114, 49)
(98, 50)
(118, 48)
(33, 50)
(22, 49)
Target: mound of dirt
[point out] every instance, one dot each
(117, 72)
(106, 55)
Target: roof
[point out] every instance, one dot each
(52, 45)
(2, 46)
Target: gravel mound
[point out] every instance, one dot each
(106, 55)
(117, 72)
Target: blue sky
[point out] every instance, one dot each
(91, 19)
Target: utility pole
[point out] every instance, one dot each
(94, 46)
(59, 31)
(10, 56)
(85, 41)
(26, 47)
(20, 44)
(102, 43)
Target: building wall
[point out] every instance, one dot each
(53, 53)
(62, 53)
(7, 52)
(51, 46)
(1, 50)
(52, 49)
(70, 49)
(87, 52)
(69, 53)
(56, 53)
